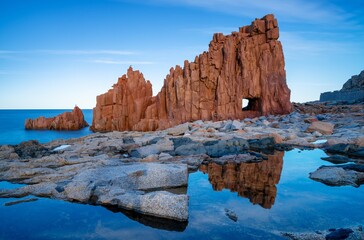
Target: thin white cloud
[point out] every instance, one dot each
(85, 52)
(123, 62)
(298, 44)
(68, 52)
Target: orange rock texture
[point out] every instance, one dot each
(255, 181)
(248, 64)
(66, 121)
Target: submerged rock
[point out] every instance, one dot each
(230, 214)
(20, 201)
(338, 234)
(353, 233)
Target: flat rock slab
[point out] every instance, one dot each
(321, 127)
(350, 174)
(146, 176)
(158, 203)
(136, 186)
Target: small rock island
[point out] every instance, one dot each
(66, 121)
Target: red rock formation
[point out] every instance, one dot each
(248, 64)
(66, 121)
(256, 181)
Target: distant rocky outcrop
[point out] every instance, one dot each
(352, 91)
(248, 64)
(66, 121)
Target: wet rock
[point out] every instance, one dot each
(352, 233)
(7, 204)
(337, 159)
(262, 144)
(151, 221)
(341, 148)
(190, 149)
(230, 214)
(347, 149)
(239, 158)
(226, 147)
(31, 149)
(338, 234)
(350, 174)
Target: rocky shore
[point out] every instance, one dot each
(147, 172)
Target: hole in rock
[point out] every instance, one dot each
(251, 104)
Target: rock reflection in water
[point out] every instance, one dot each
(255, 181)
(150, 221)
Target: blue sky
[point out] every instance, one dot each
(58, 53)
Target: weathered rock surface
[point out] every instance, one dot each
(352, 91)
(322, 127)
(349, 174)
(66, 121)
(248, 64)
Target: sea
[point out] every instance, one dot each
(273, 196)
(12, 129)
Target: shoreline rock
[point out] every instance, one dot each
(341, 175)
(112, 169)
(69, 121)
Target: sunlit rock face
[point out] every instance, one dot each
(248, 64)
(255, 181)
(66, 121)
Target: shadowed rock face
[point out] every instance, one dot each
(66, 121)
(248, 64)
(352, 90)
(256, 181)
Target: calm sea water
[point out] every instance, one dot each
(12, 126)
(262, 205)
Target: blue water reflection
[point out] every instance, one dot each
(300, 204)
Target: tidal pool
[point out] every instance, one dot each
(267, 197)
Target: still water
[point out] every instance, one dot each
(270, 196)
(12, 126)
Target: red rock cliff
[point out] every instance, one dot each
(248, 64)
(66, 121)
